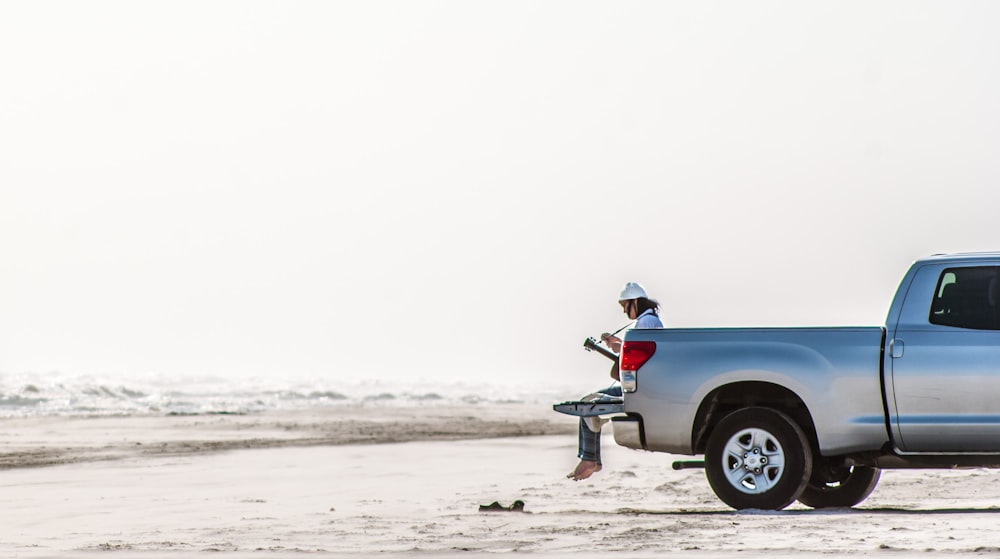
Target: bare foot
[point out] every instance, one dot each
(584, 469)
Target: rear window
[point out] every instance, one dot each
(967, 298)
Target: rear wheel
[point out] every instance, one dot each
(840, 487)
(758, 458)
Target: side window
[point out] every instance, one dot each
(967, 298)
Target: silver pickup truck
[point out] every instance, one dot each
(814, 414)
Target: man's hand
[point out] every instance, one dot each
(614, 342)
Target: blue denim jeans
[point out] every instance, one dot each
(590, 442)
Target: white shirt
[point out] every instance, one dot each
(648, 320)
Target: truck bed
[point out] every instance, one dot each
(692, 367)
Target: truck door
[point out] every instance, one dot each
(945, 361)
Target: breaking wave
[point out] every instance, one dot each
(55, 394)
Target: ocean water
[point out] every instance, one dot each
(58, 394)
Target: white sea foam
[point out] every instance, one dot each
(44, 394)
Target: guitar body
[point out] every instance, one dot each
(590, 344)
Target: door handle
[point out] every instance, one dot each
(896, 348)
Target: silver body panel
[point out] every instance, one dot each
(834, 371)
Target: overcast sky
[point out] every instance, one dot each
(458, 189)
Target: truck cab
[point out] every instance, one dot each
(942, 360)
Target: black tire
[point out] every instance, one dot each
(758, 458)
(842, 487)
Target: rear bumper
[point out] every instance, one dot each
(629, 431)
(628, 428)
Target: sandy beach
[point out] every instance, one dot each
(409, 482)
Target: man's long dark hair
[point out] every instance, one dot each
(644, 304)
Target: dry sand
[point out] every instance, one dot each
(284, 484)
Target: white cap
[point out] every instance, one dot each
(632, 290)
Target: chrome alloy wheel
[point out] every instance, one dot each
(753, 461)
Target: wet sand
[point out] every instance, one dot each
(281, 485)
(68, 440)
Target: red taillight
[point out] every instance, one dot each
(635, 354)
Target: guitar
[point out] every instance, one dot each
(590, 344)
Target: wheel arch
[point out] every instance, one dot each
(728, 398)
